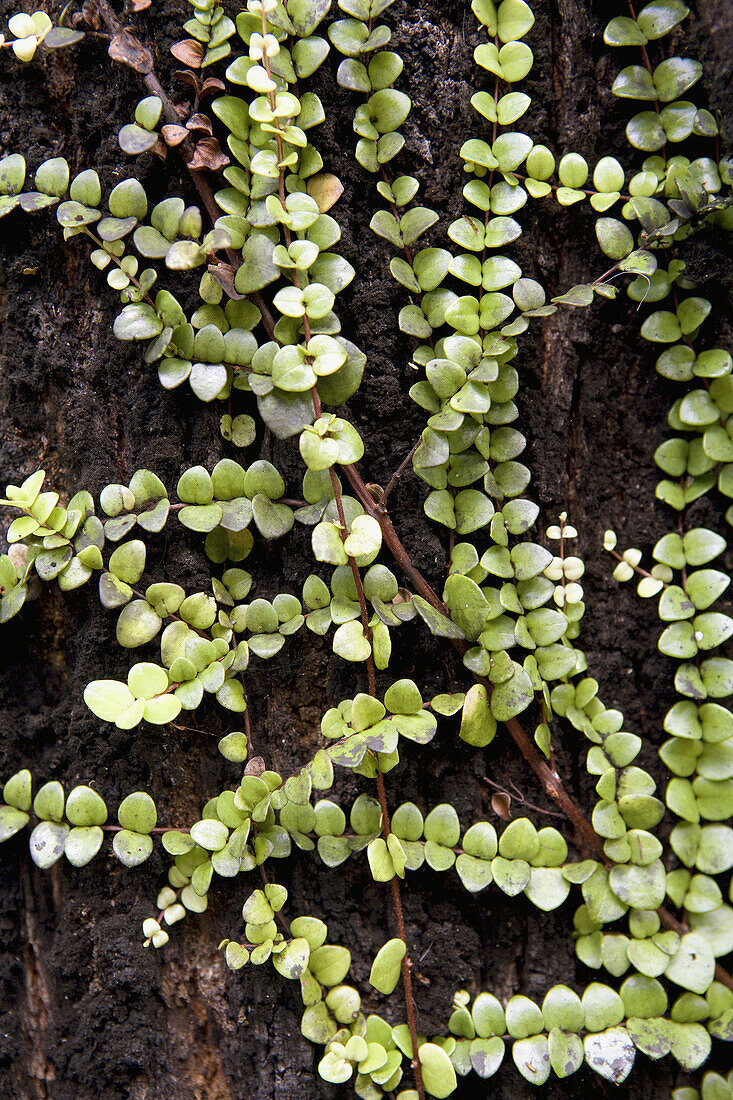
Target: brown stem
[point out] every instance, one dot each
(390, 536)
(382, 503)
(267, 319)
(248, 733)
(406, 960)
(552, 783)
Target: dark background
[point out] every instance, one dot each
(84, 1010)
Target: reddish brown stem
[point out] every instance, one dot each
(406, 960)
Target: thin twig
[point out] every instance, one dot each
(382, 502)
(406, 960)
(520, 798)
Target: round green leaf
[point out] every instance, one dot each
(132, 848)
(387, 966)
(85, 807)
(82, 845)
(438, 1075)
(137, 813)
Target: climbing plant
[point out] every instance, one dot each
(258, 251)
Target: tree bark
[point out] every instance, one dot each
(84, 1010)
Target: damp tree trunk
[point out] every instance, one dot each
(84, 1010)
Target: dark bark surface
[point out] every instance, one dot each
(84, 1010)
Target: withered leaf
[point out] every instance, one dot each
(212, 86)
(201, 123)
(500, 804)
(224, 275)
(208, 155)
(189, 51)
(128, 50)
(255, 766)
(187, 77)
(174, 135)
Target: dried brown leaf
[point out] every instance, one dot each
(91, 17)
(208, 155)
(174, 135)
(189, 52)
(224, 275)
(187, 77)
(212, 86)
(128, 50)
(200, 123)
(500, 804)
